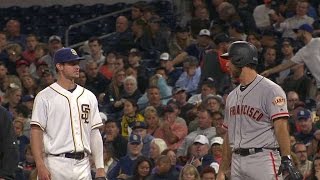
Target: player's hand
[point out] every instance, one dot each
(43, 173)
(196, 162)
(100, 172)
(287, 167)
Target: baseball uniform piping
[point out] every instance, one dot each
(273, 165)
(38, 124)
(74, 143)
(79, 116)
(285, 114)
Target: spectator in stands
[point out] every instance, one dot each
(298, 82)
(214, 103)
(142, 37)
(13, 29)
(130, 116)
(199, 21)
(157, 146)
(287, 50)
(218, 119)
(288, 25)
(306, 126)
(134, 59)
(270, 61)
(27, 101)
(140, 128)
(112, 137)
(207, 88)
(142, 169)
(154, 99)
(293, 98)
(131, 90)
(111, 98)
(137, 10)
(54, 44)
(22, 68)
(177, 110)
(29, 85)
(300, 149)
(23, 140)
(208, 173)
(164, 170)
(236, 31)
(36, 67)
(110, 161)
(173, 157)
(108, 68)
(96, 53)
(216, 148)
(214, 66)
(172, 72)
(205, 121)
(179, 96)
(190, 78)
(180, 40)
(82, 78)
(121, 62)
(171, 131)
(254, 38)
(124, 167)
(46, 79)
(152, 120)
(227, 12)
(148, 11)
(262, 15)
(29, 53)
(122, 39)
(12, 98)
(159, 37)
(14, 53)
(307, 55)
(315, 168)
(3, 44)
(96, 82)
(200, 157)
(189, 172)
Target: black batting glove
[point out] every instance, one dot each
(288, 167)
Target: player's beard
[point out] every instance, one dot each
(235, 73)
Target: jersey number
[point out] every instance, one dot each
(85, 112)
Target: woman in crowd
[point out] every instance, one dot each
(14, 52)
(131, 90)
(189, 172)
(108, 67)
(29, 84)
(152, 120)
(12, 98)
(142, 169)
(156, 148)
(173, 158)
(214, 103)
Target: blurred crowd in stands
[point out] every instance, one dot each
(161, 88)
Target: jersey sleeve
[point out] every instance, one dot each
(95, 116)
(298, 57)
(276, 103)
(39, 113)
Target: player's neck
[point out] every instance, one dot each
(247, 77)
(66, 83)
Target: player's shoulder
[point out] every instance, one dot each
(267, 83)
(85, 91)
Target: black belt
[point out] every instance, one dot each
(249, 151)
(76, 155)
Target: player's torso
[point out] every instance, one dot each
(69, 123)
(249, 124)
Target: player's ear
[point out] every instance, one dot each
(59, 66)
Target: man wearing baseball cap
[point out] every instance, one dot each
(307, 129)
(172, 72)
(309, 54)
(64, 125)
(140, 128)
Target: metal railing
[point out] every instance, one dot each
(89, 21)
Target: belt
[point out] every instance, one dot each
(247, 152)
(76, 155)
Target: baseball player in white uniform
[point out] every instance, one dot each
(65, 121)
(256, 118)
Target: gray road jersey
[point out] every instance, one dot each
(249, 114)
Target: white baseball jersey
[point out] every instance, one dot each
(249, 114)
(66, 118)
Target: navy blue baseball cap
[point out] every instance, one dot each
(303, 114)
(135, 139)
(66, 55)
(304, 27)
(138, 124)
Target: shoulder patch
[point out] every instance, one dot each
(279, 101)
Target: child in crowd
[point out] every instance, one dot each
(130, 115)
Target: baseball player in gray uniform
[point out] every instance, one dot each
(64, 125)
(256, 118)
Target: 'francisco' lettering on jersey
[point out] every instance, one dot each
(249, 111)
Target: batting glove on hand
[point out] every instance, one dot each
(288, 167)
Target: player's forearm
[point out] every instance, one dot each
(96, 146)
(282, 135)
(226, 155)
(37, 145)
